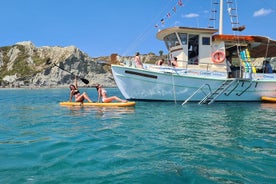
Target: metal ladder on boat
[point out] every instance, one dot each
(200, 88)
(213, 14)
(212, 96)
(233, 14)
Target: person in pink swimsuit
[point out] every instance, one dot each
(102, 93)
(138, 61)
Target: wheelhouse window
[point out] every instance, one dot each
(193, 47)
(205, 40)
(183, 38)
(171, 40)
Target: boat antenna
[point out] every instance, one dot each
(220, 16)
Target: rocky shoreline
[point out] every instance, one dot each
(24, 65)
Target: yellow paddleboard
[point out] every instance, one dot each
(269, 99)
(94, 104)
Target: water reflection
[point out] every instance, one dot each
(116, 112)
(101, 112)
(268, 105)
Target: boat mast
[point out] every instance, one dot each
(220, 16)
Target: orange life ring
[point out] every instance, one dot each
(218, 57)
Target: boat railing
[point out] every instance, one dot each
(208, 67)
(129, 63)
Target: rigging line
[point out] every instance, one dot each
(145, 33)
(149, 28)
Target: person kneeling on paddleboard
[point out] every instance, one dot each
(76, 93)
(103, 94)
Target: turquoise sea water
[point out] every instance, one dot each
(153, 142)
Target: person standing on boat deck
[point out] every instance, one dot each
(228, 67)
(138, 61)
(267, 67)
(174, 62)
(103, 94)
(169, 63)
(76, 93)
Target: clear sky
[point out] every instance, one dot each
(102, 27)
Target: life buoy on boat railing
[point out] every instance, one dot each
(218, 57)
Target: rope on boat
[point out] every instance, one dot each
(267, 46)
(174, 94)
(172, 78)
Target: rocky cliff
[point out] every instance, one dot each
(25, 65)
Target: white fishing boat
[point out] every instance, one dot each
(202, 74)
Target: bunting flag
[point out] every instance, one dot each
(174, 9)
(180, 3)
(169, 14)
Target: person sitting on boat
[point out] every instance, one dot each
(102, 93)
(138, 61)
(160, 62)
(228, 67)
(174, 62)
(267, 67)
(76, 93)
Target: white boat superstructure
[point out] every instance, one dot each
(202, 72)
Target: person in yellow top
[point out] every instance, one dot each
(102, 93)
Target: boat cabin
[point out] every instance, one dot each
(190, 45)
(202, 48)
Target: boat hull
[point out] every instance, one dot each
(94, 104)
(178, 85)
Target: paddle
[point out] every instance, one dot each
(85, 81)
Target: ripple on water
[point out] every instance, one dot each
(154, 142)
